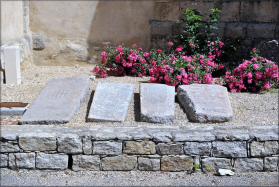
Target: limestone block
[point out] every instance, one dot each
(229, 149)
(234, 30)
(248, 164)
(39, 42)
(169, 149)
(176, 163)
(197, 148)
(22, 160)
(107, 148)
(69, 143)
(6, 147)
(230, 11)
(86, 162)
(3, 160)
(213, 164)
(193, 136)
(51, 161)
(271, 163)
(146, 147)
(166, 11)
(261, 30)
(87, 146)
(161, 28)
(147, 164)
(162, 136)
(119, 163)
(37, 142)
(259, 149)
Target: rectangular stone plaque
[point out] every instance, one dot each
(157, 103)
(205, 103)
(57, 102)
(111, 102)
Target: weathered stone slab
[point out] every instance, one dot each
(86, 162)
(142, 148)
(213, 164)
(231, 133)
(87, 145)
(177, 163)
(146, 164)
(6, 147)
(157, 103)
(169, 149)
(107, 148)
(193, 136)
(229, 149)
(69, 143)
(22, 160)
(197, 148)
(3, 160)
(37, 142)
(248, 164)
(111, 102)
(119, 163)
(57, 102)
(270, 163)
(205, 103)
(259, 149)
(162, 136)
(51, 161)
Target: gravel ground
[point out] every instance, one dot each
(248, 109)
(132, 178)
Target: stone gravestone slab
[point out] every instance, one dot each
(205, 103)
(57, 102)
(157, 103)
(111, 102)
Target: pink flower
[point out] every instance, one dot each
(256, 66)
(266, 85)
(134, 45)
(159, 51)
(146, 54)
(192, 45)
(133, 70)
(178, 49)
(249, 75)
(171, 70)
(153, 79)
(120, 48)
(170, 44)
(253, 59)
(258, 75)
(139, 75)
(96, 69)
(254, 89)
(221, 44)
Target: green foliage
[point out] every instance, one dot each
(192, 31)
(208, 168)
(196, 166)
(271, 90)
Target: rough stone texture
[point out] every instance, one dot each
(169, 149)
(161, 28)
(234, 30)
(231, 133)
(107, 148)
(262, 134)
(197, 148)
(146, 164)
(8, 136)
(157, 103)
(147, 148)
(229, 149)
(3, 160)
(193, 136)
(57, 102)
(86, 162)
(259, 149)
(213, 164)
(39, 42)
(111, 102)
(69, 143)
(87, 146)
(205, 103)
(6, 147)
(37, 142)
(176, 163)
(271, 163)
(230, 11)
(22, 160)
(51, 161)
(119, 163)
(248, 164)
(261, 30)
(162, 136)
(166, 11)
(223, 172)
(277, 32)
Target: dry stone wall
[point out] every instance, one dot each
(47, 147)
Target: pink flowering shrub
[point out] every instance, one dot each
(255, 75)
(123, 61)
(179, 68)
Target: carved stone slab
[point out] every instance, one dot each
(205, 103)
(58, 101)
(157, 103)
(111, 102)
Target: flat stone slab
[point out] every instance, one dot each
(157, 103)
(205, 103)
(57, 102)
(111, 102)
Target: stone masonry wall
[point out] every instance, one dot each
(46, 147)
(257, 22)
